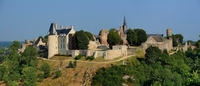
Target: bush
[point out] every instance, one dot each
(70, 65)
(130, 80)
(13, 83)
(40, 77)
(78, 57)
(46, 69)
(58, 73)
(90, 58)
(75, 63)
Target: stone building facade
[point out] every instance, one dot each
(161, 43)
(59, 40)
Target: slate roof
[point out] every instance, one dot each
(63, 31)
(52, 29)
(157, 39)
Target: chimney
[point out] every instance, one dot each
(61, 27)
(66, 27)
(55, 25)
(72, 27)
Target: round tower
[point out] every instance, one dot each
(52, 45)
(169, 32)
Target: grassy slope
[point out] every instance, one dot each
(70, 76)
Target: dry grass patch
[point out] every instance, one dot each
(60, 57)
(70, 76)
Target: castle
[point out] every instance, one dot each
(59, 40)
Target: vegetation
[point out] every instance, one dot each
(70, 65)
(45, 68)
(21, 68)
(131, 37)
(136, 36)
(78, 57)
(177, 39)
(58, 73)
(113, 37)
(90, 36)
(90, 58)
(156, 69)
(81, 40)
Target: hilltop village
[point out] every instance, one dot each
(115, 57)
(62, 41)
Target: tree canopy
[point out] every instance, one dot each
(90, 36)
(113, 37)
(136, 36)
(131, 37)
(141, 36)
(81, 40)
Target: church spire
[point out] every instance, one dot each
(124, 21)
(125, 26)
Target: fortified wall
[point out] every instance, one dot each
(117, 51)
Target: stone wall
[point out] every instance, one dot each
(109, 54)
(166, 44)
(131, 51)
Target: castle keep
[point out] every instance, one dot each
(59, 40)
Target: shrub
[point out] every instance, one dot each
(70, 65)
(46, 69)
(58, 73)
(40, 77)
(75, 63)
(90, 58)
(78, 57)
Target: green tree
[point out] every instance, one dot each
(131, 37)
(81, 40)
(198, 44)
(70, 65)
(14, 46)
(29, 57)
(153, 54)
(13, 83)
(29, 76)
(46, 38)
(141, 36)
(3, 71)
(179, 37)
(113, 37)
(174, 41)
(90, 36)
(45, 68)
(58, 73)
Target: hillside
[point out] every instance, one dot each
(70, 76)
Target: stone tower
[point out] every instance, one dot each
(103, 37)
(125, 26)
(169, 32)
(52, 40)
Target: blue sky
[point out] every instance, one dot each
(28, 19)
